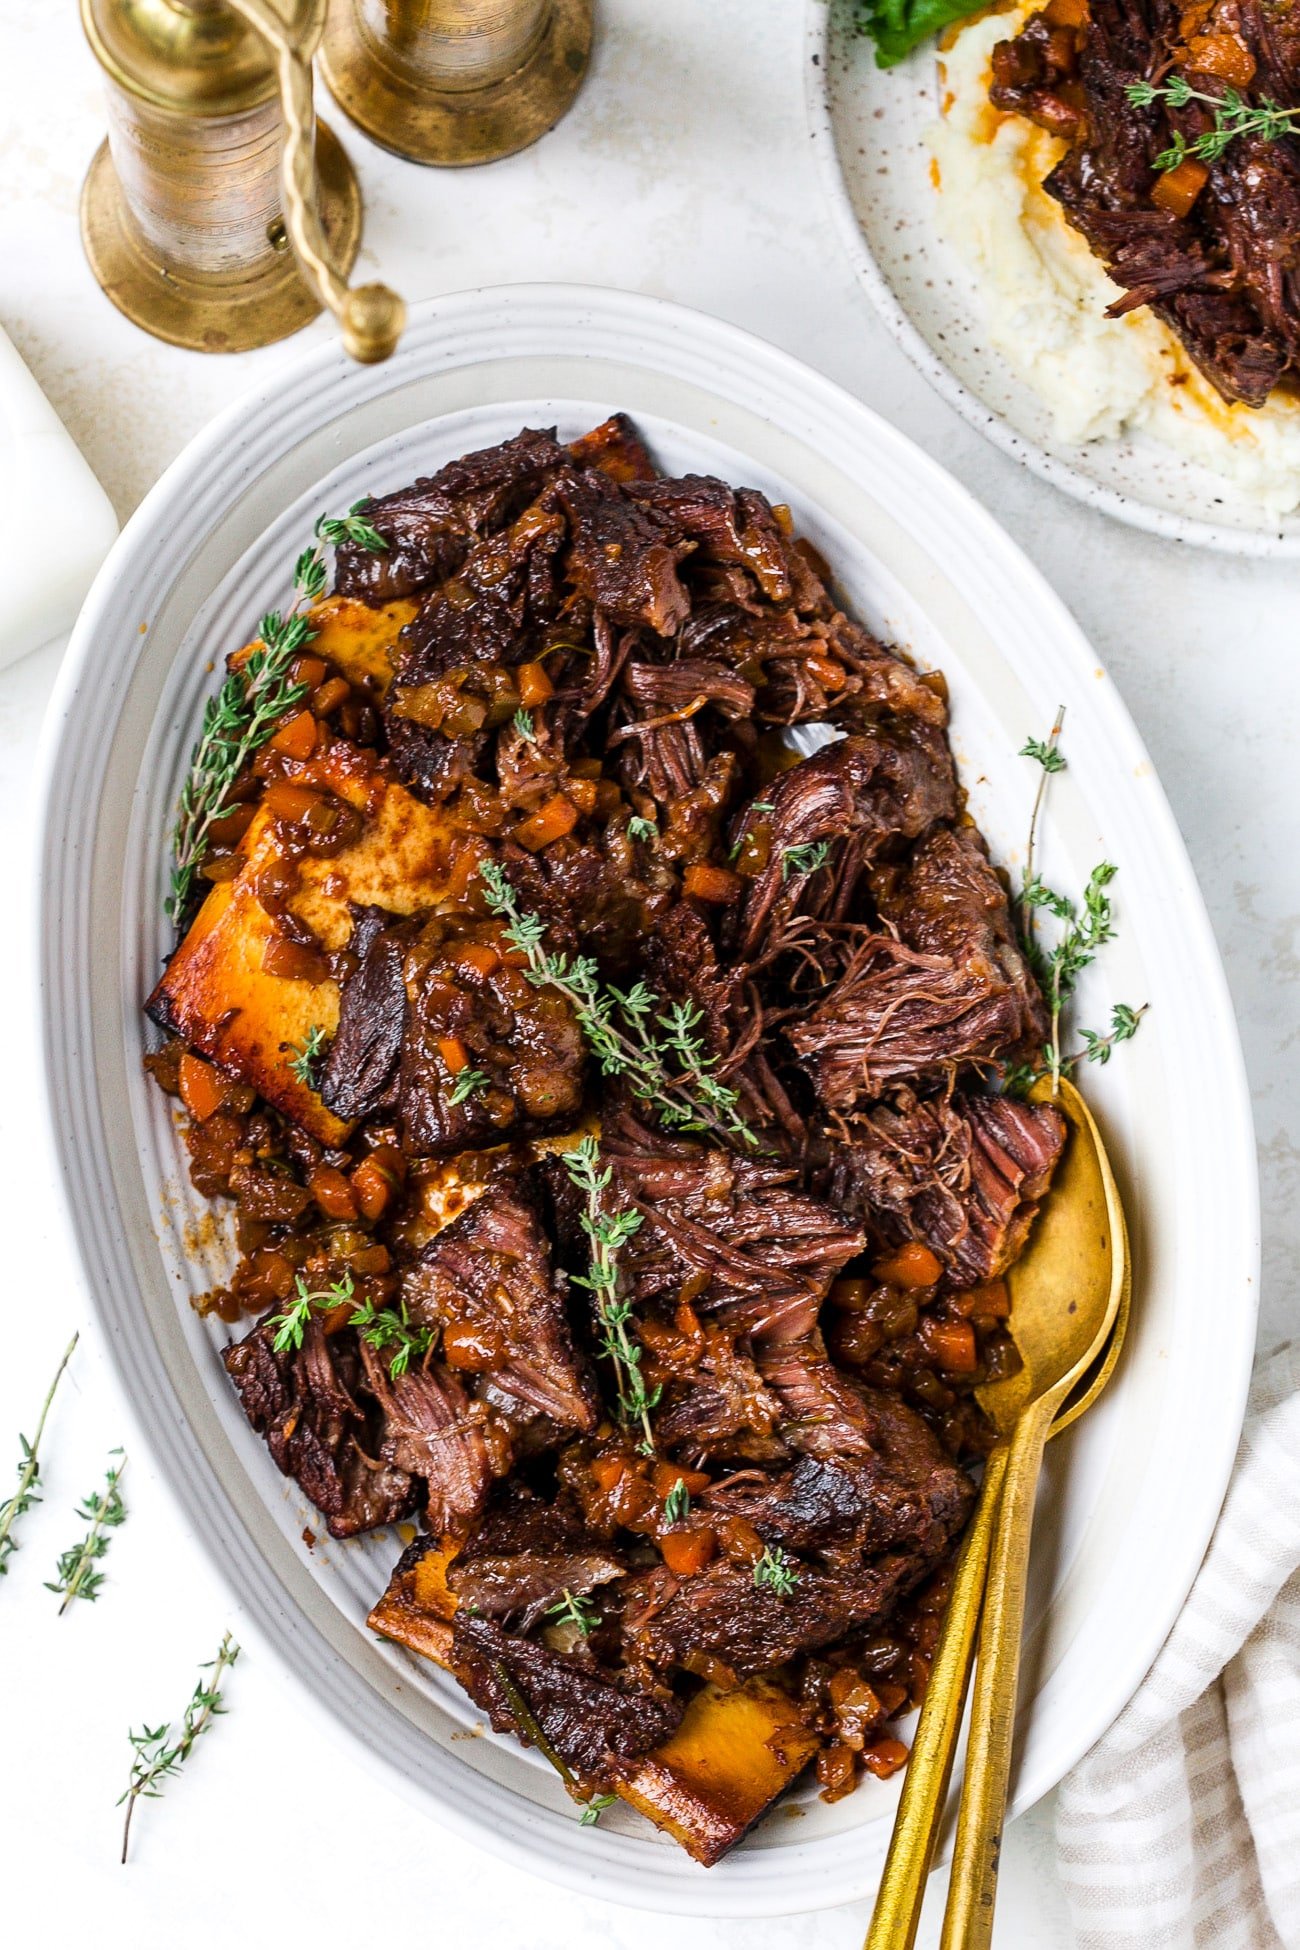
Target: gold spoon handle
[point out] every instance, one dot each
(925, 1784)
(371, 317)
(972, 1890)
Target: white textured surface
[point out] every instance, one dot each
(684, 170)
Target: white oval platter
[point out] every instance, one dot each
(869, 128)
(1130, 1497)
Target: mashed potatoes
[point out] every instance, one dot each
(1045, 297)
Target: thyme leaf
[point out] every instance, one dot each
(776, 1572)
(523, 724)
(103, 1511)
(595, 1808)
(571, 1610)
(805, 859)
(677, 1503)
(160, 1752)
(468, 1083)
(29, 1471)
(305, 1063)
(641, 829)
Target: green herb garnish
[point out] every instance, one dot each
(1233, 116)
(776, 1572)
(607, 1234)
(568, 1610)
(159, 1754)
(29, 1471)
(103, 1511)
(352, 527)
(660, 1052)
(677, 1503)
(641, 829)
(897, 26)
(291, 1325)
(595, 1808)
(468, 1083)
(805, 859)
(391, 1328)
(523, 724)
(305, 1062)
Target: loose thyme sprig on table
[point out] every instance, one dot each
(103, 1511)
(1233, 116)
(660, 1053)
(29, 1470)
(608, 1233)
(159, 1754)
(238, 721)
(1083, 932)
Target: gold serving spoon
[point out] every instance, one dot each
(1069, 1295)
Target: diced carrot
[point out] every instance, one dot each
(453, 1053)
(988, 1302)
(884, 1756)
(332, 1193)
(584, 794)
(534, 685)
(952, 1343)
(330, 695)
(480, 957)
(830, 675)
(667, 1476)
(851, 1295)
(285, 800)
(550, 822)
(911, 1265)
(390, 1160)
(372, 1187)
(717, 885)
(608, 1471)
(309, 671)
(1226, 55)
(292, 961)
(1067, 13)
(202, 1090)
(1178, 188)
(370, 1261)
(232, 826)
(468, 1347)
(296, 737)
(687, 1551)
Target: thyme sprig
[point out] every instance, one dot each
(1083, 932)
(641, 829)
(677, 1503)
(595, 1808)
(659, 1051)
(467, 1083)
(306, 1061)
(805, 859)
(104, 1511)
(29, 1470)
(523, 724)
(571, 1610)
(291, 1325)
(1233, 116)
(390, 1327)
(160, 1752)
(352, 527)
(607, 1234)
(776, 1572)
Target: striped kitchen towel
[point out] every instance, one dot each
(1181, 1828)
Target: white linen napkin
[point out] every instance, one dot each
(1181, 1829)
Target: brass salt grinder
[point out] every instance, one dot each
(455, 81)
(219, 214)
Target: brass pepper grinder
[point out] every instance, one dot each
(218, 214)
(455, 81)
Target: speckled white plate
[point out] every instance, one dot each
(1130, 1496)
(869, 131)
